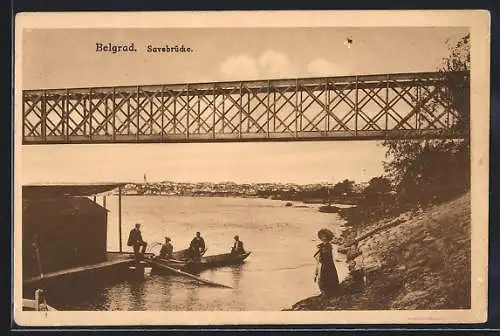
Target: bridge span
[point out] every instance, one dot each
(370, 107)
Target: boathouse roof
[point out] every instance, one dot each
(58, 190)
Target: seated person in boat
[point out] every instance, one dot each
(196, 247)
(166, 249)
(237, 246)
(135, 240)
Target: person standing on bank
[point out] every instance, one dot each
(135, 240)
(197, 247)
(238, 246)
(328, 281)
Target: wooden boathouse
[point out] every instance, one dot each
(64, 237)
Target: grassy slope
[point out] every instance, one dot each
(422, 263)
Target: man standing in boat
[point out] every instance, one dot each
(135, 240)
(238, 246)
(197, 247)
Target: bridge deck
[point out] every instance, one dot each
(332, 108)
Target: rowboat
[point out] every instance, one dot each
(226, 259)
(184, 254)
(328, 208)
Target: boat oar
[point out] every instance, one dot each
(176, 261)
(208, 282)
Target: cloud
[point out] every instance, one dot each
(274, 64)
(321, 67)
(239, 67)
(270, 64)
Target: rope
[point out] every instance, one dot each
(154, 244)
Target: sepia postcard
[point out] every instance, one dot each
(251, 168)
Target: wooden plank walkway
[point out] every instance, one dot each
(114, 259)
(29, 304)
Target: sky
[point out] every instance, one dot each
(66, 58)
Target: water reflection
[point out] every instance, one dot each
(192, 297)
(237, 274)
(137, 294)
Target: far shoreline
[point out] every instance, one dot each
(334, 203)
(303, 203)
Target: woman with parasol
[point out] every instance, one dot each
(328, 280)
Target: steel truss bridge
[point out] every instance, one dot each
(408, 105)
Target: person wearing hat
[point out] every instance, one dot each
(197, 247)
(166, 249)
(237, 246)
(135, 240)
(326, 273)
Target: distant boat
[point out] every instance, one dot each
(328, 208)
(313, 201)
(288, 204)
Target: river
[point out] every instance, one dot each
(278, 273)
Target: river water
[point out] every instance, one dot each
(278, 273)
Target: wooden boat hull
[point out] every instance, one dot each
(328, 209)
(219, 260)
(184, 254)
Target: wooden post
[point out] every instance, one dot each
(297, 107)
(151, 112)
(214, 120)
(174, 114)
(90, 114)
(268, 111)
(417, 113)
(25, 131)
(120, 215)
(198, 110)
(274, 110)
(138, 100)
(223, 105)
(39, 299)
(187, 111)
(162, 113)
(241, 110)
(44, 116)
(249, 111)
(66, 116)
(106, 113)
(387, 106)
(327, 107)
(356, 109)
(114, 115)
(104, 201)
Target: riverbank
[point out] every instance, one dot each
(416, 260)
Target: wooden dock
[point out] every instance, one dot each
(114, 259)
(34, 305)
